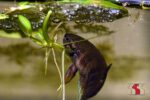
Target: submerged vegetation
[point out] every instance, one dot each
(49, 42)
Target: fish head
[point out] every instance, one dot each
(71, 43)
(71, 38)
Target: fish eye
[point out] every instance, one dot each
(67, 39)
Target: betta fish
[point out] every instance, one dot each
(88, 61)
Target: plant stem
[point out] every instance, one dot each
(46, 59)
(58, 68)
(63, 75)
(53, 33)
(79, 90)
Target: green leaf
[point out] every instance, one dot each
(144, 7)
(37, 41)
(25, 25)
(9, 35)
(108, 4)
(3, 16)
(53, 32)
(57, 45)
(24, 3)
(102, 3)
(45, 26)
(37, 36)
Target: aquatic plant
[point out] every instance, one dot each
(75, 11)
(50, 43)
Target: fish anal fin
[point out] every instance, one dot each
(71, 72)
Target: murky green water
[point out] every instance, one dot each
(22, 64)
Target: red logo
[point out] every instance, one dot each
(136, 89)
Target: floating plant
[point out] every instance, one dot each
(75, 11)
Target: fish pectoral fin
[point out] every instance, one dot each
(71, 72)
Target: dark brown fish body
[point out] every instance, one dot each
(89, 62)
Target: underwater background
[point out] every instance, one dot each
(127, 48)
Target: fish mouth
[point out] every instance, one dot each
(67, 38)
(67, 42)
